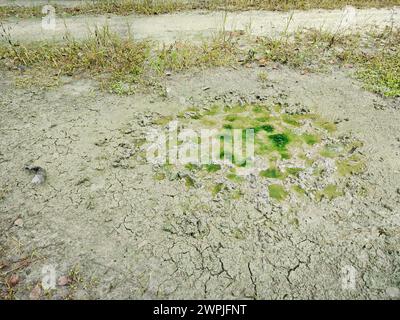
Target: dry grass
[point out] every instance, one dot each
(375, 56)
(118, 62)
(152, 7)
(122, 64)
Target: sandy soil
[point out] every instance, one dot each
(196, 25)
(124, 234)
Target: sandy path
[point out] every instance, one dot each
(197, 24)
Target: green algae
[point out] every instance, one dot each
(277, 192)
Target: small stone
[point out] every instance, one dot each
(35, 293)
(19, 222)
(13, 280)
(40, 174)
(63, 281)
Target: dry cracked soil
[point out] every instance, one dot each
(111, 228)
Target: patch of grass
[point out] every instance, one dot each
(101, 54)
(375, 55)
(381, 73)
(120, 64)
(184, 55)
(277, 192)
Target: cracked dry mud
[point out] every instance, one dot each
(101, 211)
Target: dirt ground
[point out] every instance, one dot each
(196, 25)
(103, 220)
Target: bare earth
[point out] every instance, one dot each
(197, 25)
(101, 211)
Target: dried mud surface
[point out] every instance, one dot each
(103, 219)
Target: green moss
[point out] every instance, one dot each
(299, 190)
(212, 167)
(159, 176)
(351, 166)
(236, 194)
(272, 173)
(329, 192)
(238, 234)
(311, 139)
(294, 171)
(217, 188)
(279, 140)
(189, 182)
(277, 192)
(234, 177)
(267, 128)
